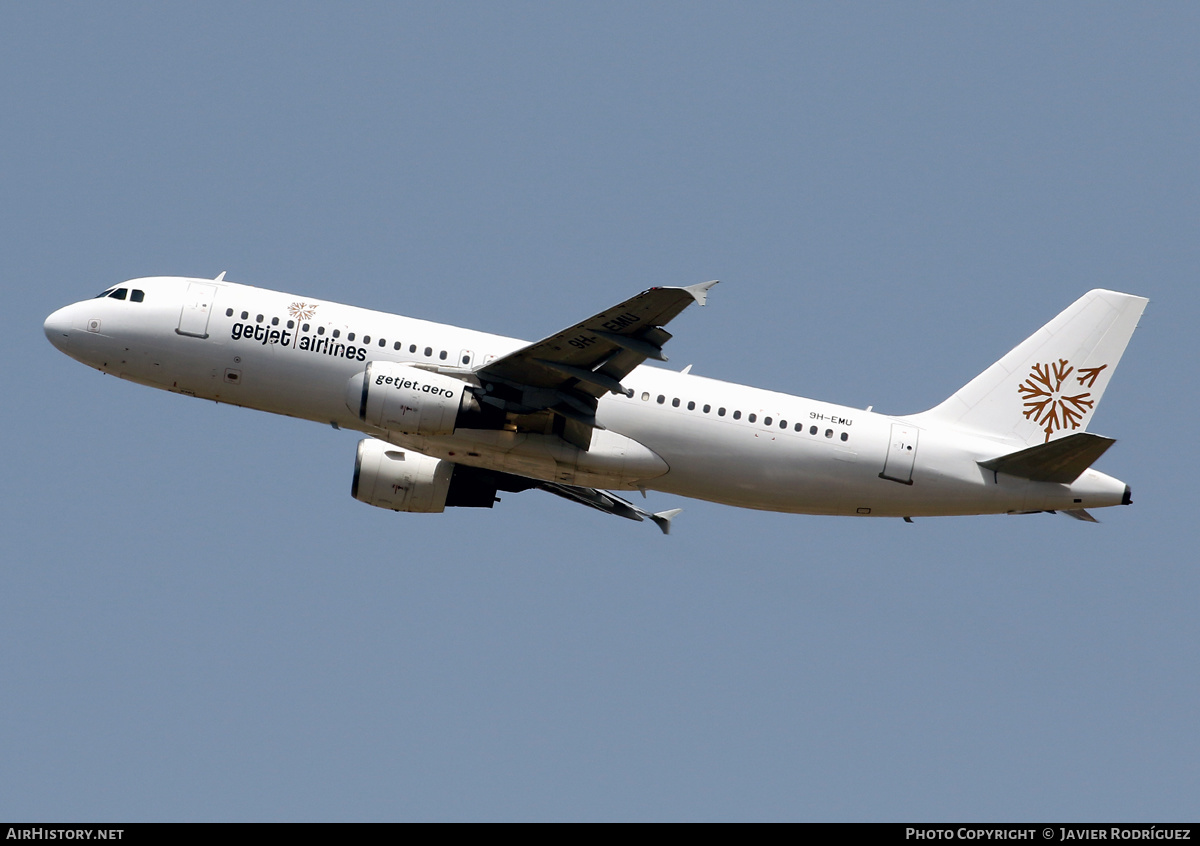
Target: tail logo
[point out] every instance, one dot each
(1047, 401)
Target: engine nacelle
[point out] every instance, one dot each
(389, 477)
(402, 398)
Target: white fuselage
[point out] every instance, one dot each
(677, 433)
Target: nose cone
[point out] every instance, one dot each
(58, 328)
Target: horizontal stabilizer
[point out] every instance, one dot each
(1063, 460)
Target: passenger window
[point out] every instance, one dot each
(320, 330)
(691, 405)
(383, 343)
(366, 339)
(258, 319)
(675, 402)
(412, 348)
(305, 327)
(245, 315)
(337, 333)
(428, 351)
(274, 321)
(229, 312)
(829, 433)
(661, 399)
(799, 427)
(737, 415)
(137, 296)
(782, 424)
(349, 337)
(396, 346)
(645, 396)
(812, 430)
(766, 421)
(442, 355)
(291, 324)
(752, 418)
(845, 436)
(707, 409)
(466, 359)
(119, 294)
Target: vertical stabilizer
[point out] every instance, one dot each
(1050, 384)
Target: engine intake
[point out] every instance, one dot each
(402, 398)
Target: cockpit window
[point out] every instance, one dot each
(119, 294)
(137, 296)
(103, 293)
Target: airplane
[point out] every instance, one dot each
(455, 416)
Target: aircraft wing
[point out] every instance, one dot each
(606, 501)
(567, 372)
(610, 503)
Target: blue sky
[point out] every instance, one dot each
(197, 622)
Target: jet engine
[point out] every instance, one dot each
(389, 477)
(402, 398)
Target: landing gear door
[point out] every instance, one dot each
(193, 318)
(902, 452)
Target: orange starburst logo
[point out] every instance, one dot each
(1047, 398)
(302, 311)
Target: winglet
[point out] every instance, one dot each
(700, 292)
(663, 519)
(221, 277)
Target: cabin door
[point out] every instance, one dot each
(193, 317)
(902, 452)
